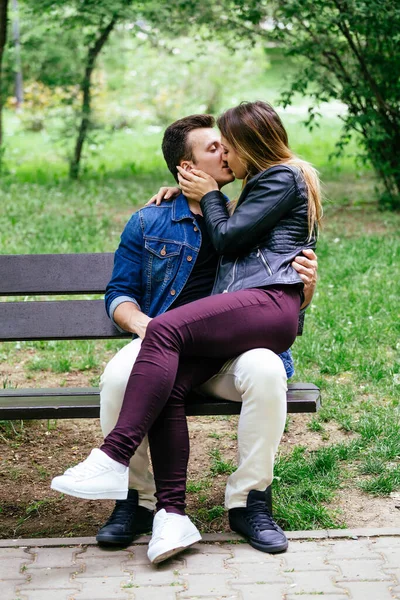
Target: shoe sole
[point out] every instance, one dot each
(263, 547)
(106, 495)
(189, 541)
(112, 540)
(268, 549)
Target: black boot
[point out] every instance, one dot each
(127, 520)
(255, 523)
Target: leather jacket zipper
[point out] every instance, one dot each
(264, 261)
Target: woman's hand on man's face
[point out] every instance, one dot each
(196, 183)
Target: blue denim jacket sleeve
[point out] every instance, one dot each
(126, 280)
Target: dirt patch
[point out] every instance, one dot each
(30, 458)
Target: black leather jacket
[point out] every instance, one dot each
(268, 229)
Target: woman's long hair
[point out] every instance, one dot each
(258, 136)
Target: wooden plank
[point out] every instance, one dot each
(56, 320)
(47, 274)
(74, 403)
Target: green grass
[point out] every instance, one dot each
(350, 346)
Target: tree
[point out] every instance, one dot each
(3, 39)
(350, 51)
(96, 20)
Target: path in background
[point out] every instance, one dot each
(338, 565)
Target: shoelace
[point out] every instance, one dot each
(123, 512)
(85, 468)
(261, 518)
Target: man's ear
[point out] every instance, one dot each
(186, 165)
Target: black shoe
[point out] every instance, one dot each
(127, 520)
(255, 523)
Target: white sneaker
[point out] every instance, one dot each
(171, 534)
(99, 476)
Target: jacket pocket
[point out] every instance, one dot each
(264, 261)
(163, 258)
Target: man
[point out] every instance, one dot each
(165, 259)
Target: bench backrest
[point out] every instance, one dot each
(55, 275)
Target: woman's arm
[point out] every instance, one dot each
(263, 205)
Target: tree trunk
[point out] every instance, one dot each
(3, 38)
(86, 84)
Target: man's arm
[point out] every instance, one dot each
(125, 286)
(130, 318)
(307, 267)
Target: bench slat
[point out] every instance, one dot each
(56, 320)
(44, 274)
(74, 403)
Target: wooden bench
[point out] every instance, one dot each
(47, 319)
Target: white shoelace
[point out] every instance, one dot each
(87, 467)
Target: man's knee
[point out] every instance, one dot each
(115, 376)
(260, 369)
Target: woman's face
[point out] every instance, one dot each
(235, 163)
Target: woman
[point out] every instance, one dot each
(276, 216)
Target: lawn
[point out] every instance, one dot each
(350, 346)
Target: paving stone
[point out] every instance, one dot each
(307, 561)
(361, 570)
(96, 567)
(314, 597)
(213, 548)
(389, 549)
(53, 557)
(12, 567)
(396, 592)
(137, 556)
(204, 585)
(304, 546)
(364, 532)
(103, 588)
(307, 535)
(57, 577)
(164, 574)
(225, 596)
(368, 590)
(98, 552)
(47, 595)
(255, 573)
(353, 549)
(263, 592)
(9, 588)
(313, 583)
(9, 553)
(158, 593)
(200, 562)
(247, 554)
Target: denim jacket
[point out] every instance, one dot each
(156, 254)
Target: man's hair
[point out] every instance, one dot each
(175, 144)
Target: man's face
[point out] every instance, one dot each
(208, 155)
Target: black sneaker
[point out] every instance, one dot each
(127, 520)
(255, 523)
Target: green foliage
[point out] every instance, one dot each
(346, 51)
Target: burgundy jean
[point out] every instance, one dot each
(182, 349)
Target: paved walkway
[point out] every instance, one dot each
(337, 565)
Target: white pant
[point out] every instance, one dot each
(256, 378)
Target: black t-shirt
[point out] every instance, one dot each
(201, 279)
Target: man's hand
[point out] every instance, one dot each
(196, 183)
(130, 318)
(164, 193)
(307, 267)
